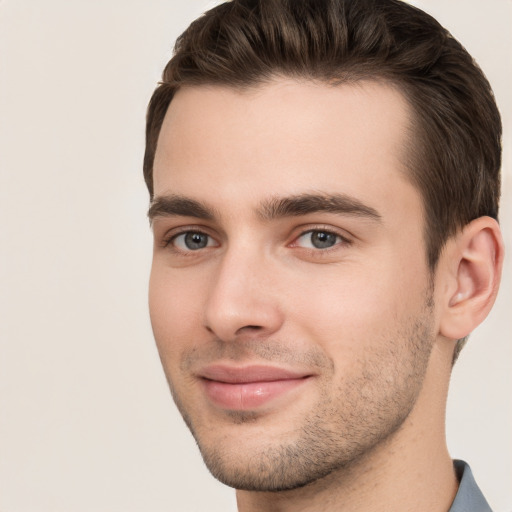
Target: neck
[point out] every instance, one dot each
(410, 470)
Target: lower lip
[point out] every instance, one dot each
(246, 396)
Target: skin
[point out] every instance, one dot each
(365, 430)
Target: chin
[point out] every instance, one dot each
(275, 470)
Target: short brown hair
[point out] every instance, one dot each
(454, 152)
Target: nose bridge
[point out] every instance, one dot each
(240, 296)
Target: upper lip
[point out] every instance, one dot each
(247, 374)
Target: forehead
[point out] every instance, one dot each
(285, 137)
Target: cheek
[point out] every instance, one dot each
(175, 310)
(352, 308)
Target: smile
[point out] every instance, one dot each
(246, 388)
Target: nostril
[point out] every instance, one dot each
(250, 328)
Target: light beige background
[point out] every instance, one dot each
(86, 421)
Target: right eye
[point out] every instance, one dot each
(192, 241)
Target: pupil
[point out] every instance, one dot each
(322, 240)
(195, 241)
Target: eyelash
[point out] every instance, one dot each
(341, 240)
(169, 239)
(167, 242)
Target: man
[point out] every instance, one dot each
(324, 182)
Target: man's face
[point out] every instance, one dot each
(289, 295)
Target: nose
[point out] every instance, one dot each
(242, 298)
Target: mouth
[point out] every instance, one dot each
(248, 387)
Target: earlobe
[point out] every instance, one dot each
(475, 259)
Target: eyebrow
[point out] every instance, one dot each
(179, 206)
(273, 208)
(304, 204)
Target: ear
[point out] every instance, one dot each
(471, 270)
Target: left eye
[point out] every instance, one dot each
(192, 241)
(317, 239)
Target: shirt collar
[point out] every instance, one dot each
(469, 497)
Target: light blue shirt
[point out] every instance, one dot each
(469, 497)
